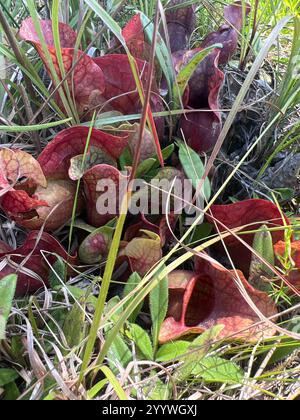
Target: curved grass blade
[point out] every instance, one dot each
(29, 128)
(162, 53)
(7, 292)
(187, 72)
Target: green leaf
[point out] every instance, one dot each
(159, 299)
(7, 292)
(157, 392)
(162, 52)
(204, 341)
(187, 72)
(80, 294)
(119, 350)
(197, 351)
(131, 284)
(286, 194)
(114, 383)
(106, 281)
(172, 351)
(30, 128)
(113, 305)
(286, 346)
(58, 271)
(166, 153)
(201, 232)
(112, 5)
(50, 65)
(263, 245)
(74, 326)
(145, 167)
(216, 369)
(12, 392)
(93, 392)
(193, 168)
(7, 376)
(142, 340)
(107, 19)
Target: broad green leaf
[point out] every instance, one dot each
(172, 351)
(193, 168)
(74, 326)
(204, 341)
(57, 274)
(17, 350)
(187, 72)
(158, 391)
(7, 376)
(216, 369)
(166, 152)
(142, 340)
(201, 232)
(197, 351)
(159, 299)
(7, 292)
(145, 167)
(119, 351)
(286, 194)
(112, 306)
(12, 392)
(263, 245)
(287, 346)
(131, 284)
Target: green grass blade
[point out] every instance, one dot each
(30, 128)
(57, 44)
(114, 383)
(7, 292)
(162, 53)
(54, 76)
(159, 300)
(109, 268)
